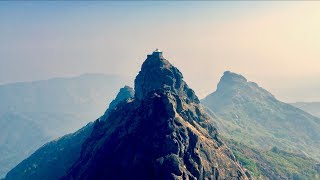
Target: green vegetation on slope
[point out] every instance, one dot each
(275, 163)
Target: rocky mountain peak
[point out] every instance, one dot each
(231, 76)
(124, 93)
(244, 105)
(162, 133)
(233, 84)
(158, 73)
(229, 79)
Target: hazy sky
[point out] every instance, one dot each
(276, 44)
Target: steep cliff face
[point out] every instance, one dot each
(157, 73)
(125, 93)
(162, 133)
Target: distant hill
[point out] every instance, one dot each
(53, 159)
(33, 113)
(310, 107)
(251, 115)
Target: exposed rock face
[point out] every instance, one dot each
(125, 93)
(157, 73)
(163, 133)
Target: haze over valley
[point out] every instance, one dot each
(231, 93)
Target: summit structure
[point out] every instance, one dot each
(156, 53)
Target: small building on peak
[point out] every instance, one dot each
(157, 50)
(156, 53)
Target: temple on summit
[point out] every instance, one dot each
(156, 53)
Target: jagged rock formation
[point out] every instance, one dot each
(163, 133)
(55, 158)
(251, 115)
(125, 93)
(157, 73)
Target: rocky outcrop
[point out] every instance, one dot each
(125, 93)
(157, 73)
(163, 133)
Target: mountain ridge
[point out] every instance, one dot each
(249, 113)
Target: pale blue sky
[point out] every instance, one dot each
(275, 44)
